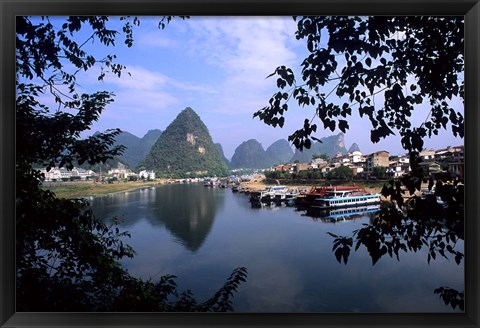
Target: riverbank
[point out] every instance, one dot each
(375, 188)
(261, 183)
(96, 189)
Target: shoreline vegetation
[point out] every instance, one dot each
(82, 189)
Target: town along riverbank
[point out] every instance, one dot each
(261, 182)
(81, 189)
(374, 187)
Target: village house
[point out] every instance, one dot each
(318, 162)
(283, 168)
(457, 169)
(302, 167)
(427, 154)
(62, 174)
(357, 168)
(356, 157)
(451, 154)
(340, 159)
(379, 158)
(149, 175)
(397, 167)
(431, 167)
(119, 173)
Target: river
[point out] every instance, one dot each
(202, 234)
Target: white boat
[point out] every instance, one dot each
(268, 194)
(345, 198)
(237, 187)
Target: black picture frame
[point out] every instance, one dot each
(10, 8)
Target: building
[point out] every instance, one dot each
(379, 158)
(457, 169)
(62, 174)
(427, 154)
(356, 157)
(397, 168)
(302, 167)
(149, 175)
(283, 168)
(431, 167)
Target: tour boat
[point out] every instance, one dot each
(345, 198)
(310, 197)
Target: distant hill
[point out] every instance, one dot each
(185, 148)
(222, 154)
(279, 152)
(136, 148)
(250, 155)
(331, 146)
(353, 147)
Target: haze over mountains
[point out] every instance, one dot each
(136, 148)
(186, 146)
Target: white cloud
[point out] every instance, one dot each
(246, 50)
(137, 78)
(156, 40)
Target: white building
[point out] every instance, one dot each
(427, 154)
(146, 175)
(57, 174)
(356, 157)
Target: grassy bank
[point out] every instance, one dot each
(87, 189)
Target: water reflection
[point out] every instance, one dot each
(187, 214)
(201, 234)
(324, 215)
(340, 214)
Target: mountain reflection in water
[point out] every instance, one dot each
(202, 234)
(188, 215)
(186, 212)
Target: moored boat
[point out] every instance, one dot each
(237, 187)
(309, 198)
(268, 194)
(346, 198)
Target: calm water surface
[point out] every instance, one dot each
(201, 235)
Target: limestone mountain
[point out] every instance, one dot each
(331, 146)
(185, 148)
(136, 148)
(149, 139)
(353, 147)
(222, 154)
(279, 152)
(250, 155)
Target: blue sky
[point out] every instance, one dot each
(217, 66)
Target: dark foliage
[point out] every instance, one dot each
(341, 172)
(409, 61)
(382, 55)
(66, 259)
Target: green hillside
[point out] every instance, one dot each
(250, 155)
(185, 149)
(279, 152)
